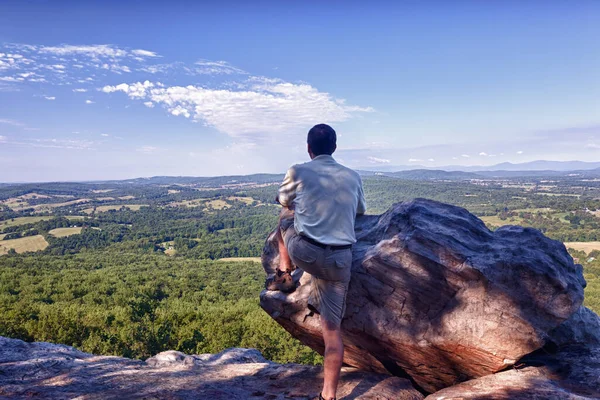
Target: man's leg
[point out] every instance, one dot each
(285, 263)
(334, 355)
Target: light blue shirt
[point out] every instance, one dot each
(326, 197)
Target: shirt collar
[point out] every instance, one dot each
(324, 157)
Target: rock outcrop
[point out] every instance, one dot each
(438, 297)
(50, 371)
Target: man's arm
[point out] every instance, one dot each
(287, 189)
(362, 203)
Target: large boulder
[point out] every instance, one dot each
(438, 297)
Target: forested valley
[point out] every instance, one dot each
(133, 268)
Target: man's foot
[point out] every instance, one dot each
(281, 281)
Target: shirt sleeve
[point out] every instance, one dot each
(362, 203)
(287, 189)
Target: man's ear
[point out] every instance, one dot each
(310, 153)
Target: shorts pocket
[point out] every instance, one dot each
(304, 252)
(344, 259)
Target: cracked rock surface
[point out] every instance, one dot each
(438, 297)
(51, 371)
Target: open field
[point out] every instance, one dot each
(132, 207)
(34, 196)
(240, 259)
(48, 207)
(246, 200)
(22, 245)
(127, 197)
(217, 204)
(23, 221)
(102, 190)
(494, 220)
(586, 247)
(62, 232)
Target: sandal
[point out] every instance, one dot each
(322, 398)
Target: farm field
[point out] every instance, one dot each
(586, 247)
(239, 259)
(22, 245)
(62, 232)
(132, 207)
(23, 221)
(495, 220)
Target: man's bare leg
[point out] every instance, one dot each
(334, 355)
(285, 263)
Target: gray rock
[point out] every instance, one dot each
(572, 373)
(49, 371)
(437, 296)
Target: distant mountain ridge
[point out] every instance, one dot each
(538, 165)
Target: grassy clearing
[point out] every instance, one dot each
(246, 200)
(586, 247)
(105, 198)
(535, 210)
(62, 232)
(34, 196)
(22, 221)
(494, 220)
(127, 197)
(173, 191)
(132, 207)
(48, 207)
(217, 204)
(22, 245)
(102, 190)
(240, 259)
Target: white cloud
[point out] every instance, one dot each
(2, 139)
(262, 106)
(149, 104)
(483, 154)
(431, 160)
(465, 156)
(414, 160)
(104, 134)
(520, 152)
(144, 53)
(593, 146)
(216, 68)
(99, 50)
(50, 97)
(375, 160)
(80, 90)
(89, 102)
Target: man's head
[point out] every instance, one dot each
(321, 140)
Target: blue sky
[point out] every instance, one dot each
(107, 90)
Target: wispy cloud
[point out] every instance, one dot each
(260, 106)
(50, 97)
(12, 123)
(89, 102)
(216, 68)
(80, 90)
(376, 160)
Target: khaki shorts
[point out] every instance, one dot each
(329, 270)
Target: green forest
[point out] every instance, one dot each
(131, 268)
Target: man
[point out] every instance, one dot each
(325, 197)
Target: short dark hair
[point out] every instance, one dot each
(322, 139)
